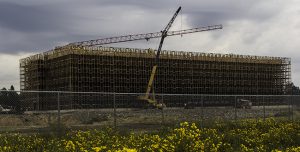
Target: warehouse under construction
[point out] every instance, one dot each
(88, 67)
(124, 70)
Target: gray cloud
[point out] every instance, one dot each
(250, 27)
(27, 18)
(36, 25)
(232, 10)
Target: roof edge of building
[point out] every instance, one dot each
(149, 53)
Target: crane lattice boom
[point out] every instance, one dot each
(146, 36)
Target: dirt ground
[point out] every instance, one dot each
(131, 119)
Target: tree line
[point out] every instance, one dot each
(9, 98)
(295, 90)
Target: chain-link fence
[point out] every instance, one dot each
(54, 111)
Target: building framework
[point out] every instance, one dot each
(127, 70)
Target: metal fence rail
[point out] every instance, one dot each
(44, 111)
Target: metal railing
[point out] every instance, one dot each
(44, 111)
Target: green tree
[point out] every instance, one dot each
(12, 88)
(295, 90)
(14, 99)
(10, 98)
(3, 96)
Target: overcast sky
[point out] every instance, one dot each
(256, 27)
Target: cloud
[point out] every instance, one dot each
(267, 28)
(9, 74)
(25, 27)
(232, 10)
(26, 18)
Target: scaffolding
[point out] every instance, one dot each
(127, 70)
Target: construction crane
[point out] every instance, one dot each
(163, 34)
(152, 101)
(147, 36)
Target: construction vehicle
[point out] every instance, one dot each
(151, 99)
(163, 34)
(243, 104)
(6, 110)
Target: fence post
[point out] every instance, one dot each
(257, 104)
(291, 112)
(58, 113)
(162, 110)
(115, 112)
(264, 107)
(235, 110)
(202, 111)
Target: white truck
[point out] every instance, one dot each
(5, 110)
(244, 104)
